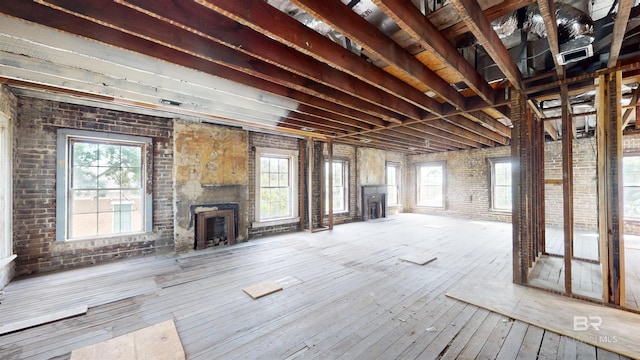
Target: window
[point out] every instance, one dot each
(631, 183)
(102, 189)
(340, 191)
(393, 184)
(500, 184)
(5, 190)
(277, 194)
(431, 185)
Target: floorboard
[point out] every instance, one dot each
(346, 294)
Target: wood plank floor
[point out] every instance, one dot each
(345, 295)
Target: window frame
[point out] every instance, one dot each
(398, 178)
(443, 166)
(625, 187)
(6, 189)
(492, 183)
(293, 216)
(65, 138)
(345, 186)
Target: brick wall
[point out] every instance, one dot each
(35, 186)
(267, 141)
(585, 191)
(467, 183)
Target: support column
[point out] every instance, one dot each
(521, 171)
(567, 186)
(330, 183)
(610, 212)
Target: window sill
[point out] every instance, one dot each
(498, 211)
(7, 260)
(430, 207)
(267, 223)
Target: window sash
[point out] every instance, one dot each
(340, 190)
(90, 182)
(275, 195)
(431, 185)
(501, 193)
(393, 188)
(631, 186)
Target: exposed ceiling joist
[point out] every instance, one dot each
(548, 13)
(476, 21)
(426, 34)
(619, 29)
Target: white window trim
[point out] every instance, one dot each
(398, 185)
(444, 184)
(62, 180)
(492, 184)
(345, 181)
(6, 188)
(293, 178)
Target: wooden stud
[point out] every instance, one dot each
(567, 186)
(330, 184)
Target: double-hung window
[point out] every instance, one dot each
(430, 183)
(393, 184)
(340, 186)
(500, 184)
(276, 184)
(102, 185)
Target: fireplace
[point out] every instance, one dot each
(215, 224)
(374, 202)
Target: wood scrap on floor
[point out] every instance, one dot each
(262, 289)
(608, 328)
(44, 318)
(160, 341)
(418, 258)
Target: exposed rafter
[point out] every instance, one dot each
(619, 29)
(481, 28)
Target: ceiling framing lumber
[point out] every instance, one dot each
(548, 13)
(261, 17)
(619, 28)
(477, 22)
(281, 68)
(426, 34)
(356, 28)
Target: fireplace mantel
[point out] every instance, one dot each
(374, 201)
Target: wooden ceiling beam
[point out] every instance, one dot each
(264, 18)
(478, 129)
(350, 90)
(403, 132)
(548, 13)
(490, 122)
(450, 31)
(409, 18)
(408, 142)
(353, 26)
(548, 126)
(477, 22)
(453, 139)
(619, 29)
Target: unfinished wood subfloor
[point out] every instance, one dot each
(345, 294)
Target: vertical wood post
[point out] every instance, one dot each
(301, 183)
(610, 212)
(330, 185)
(567, 185)
(310, 168)
(520, 170)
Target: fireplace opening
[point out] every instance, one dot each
(374, 202)
(215, 228)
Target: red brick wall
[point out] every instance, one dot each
(34, 173)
